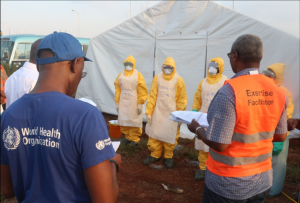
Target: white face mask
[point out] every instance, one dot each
(212, 71)
(168, 71)
(128, 68)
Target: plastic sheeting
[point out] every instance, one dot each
(279, 169)
(181, 30)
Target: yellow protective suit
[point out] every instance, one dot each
(278, 69)
(156, 146)
(279, 161)
(211, 79)
(197, 103)
(132, 133)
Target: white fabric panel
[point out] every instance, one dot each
(178, 29)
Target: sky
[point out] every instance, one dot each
(95, 17)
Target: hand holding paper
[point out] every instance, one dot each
(192, 127)
(187, 117)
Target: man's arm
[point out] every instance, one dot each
(281, 128)
(7, 189)
(101, 181)
(293, 123)
(279, 138)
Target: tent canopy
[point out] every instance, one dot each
(182, 30)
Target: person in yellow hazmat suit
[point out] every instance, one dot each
(280, 149)
(206, 90)
(167, 94)
(130, 95)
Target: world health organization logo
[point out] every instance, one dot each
(100, 145)
(11, 138)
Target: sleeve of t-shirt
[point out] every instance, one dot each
(221, 117)
(94, 144)
(281, 127)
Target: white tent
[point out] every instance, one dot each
(182, 30)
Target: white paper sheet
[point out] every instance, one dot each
(187, 117)
(87, 101)
(115, 145)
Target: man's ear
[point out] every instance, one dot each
(74, 63)
(235, 57)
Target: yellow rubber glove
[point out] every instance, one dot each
(149, 119)
(139, 109)
(117, 107)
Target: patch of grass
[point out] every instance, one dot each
(129, 151)
(187, 152)
(293, 175)
(183, 141)
(293, 163)
(143, 143)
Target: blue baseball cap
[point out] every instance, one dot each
(64, 46)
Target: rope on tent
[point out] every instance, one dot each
(289, 197)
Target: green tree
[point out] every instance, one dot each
(9, 69)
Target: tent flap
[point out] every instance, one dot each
(179, 29)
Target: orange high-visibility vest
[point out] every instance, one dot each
(3, 79)
(259, 104)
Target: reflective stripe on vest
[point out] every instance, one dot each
(238, 137)
(259, 104)
(239, 161)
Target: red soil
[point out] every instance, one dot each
(139, 183)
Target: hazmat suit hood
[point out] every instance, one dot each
(169, 62)
(213, 79)
(130, 59)
(278, 69)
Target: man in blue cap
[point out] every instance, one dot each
(55, 148)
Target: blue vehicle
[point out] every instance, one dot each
(15, 49)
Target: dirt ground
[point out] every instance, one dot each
(139, 183)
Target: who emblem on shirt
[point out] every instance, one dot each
(100, 145)
(11, 138)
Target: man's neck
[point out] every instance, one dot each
(243, 66)
(49, 84)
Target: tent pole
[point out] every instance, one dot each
(205, 65)
(154, 56)
(130, 8)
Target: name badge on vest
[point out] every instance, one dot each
(254, 72)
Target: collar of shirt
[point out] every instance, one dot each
(246, 72)
(31, 66)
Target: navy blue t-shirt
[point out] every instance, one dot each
(47, 141)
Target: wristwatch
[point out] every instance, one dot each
(116, 163)
(197, 130)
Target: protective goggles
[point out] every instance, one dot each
(269, 73)
(213, 65)
(84, 72)
(128, 64)
(167, 67)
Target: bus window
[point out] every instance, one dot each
(6, 47)
(23, 51)
(85, 48)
